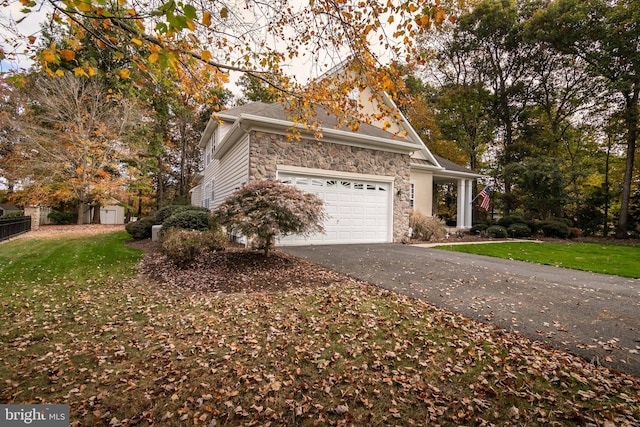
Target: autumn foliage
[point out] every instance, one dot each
(266, 210)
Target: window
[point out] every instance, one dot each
(205, 196)
(358, 185)
(214, 141)
(412, 195)
(371, 187)
(353, 96)
(345, 184)
(213, 191)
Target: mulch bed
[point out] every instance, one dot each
(235, 270)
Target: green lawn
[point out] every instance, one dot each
(606, 258)
(80, 327)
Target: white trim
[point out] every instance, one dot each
(440, 172)
(328, 173)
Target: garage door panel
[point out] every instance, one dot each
(358, 211)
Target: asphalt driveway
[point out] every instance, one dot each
(592, 315)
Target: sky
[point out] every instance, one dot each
(29, 26)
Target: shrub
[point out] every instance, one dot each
(555, 229)
(63, 218)
(268, 209)
(509, 220)
(12, 214)
(166, 212)
(140, 229)
(188, 220)
(497, 231)
(478, 228)
(182, 247)
(519, 230)
(575, 232)
(426, 227)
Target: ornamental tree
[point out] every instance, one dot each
(265, 210)
(265, 40)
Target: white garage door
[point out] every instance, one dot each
(358, 211)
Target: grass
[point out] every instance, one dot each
(605, 258)
(80, 328)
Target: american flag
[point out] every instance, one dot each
(485, 194)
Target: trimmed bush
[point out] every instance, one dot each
(555, 229)
(164, 213)
(519, 230)
(497, 231)
(509, 220)
(63, 218)
(426, 227)
(140, 229)
(188, 220)
(478, 228)
(182, 247)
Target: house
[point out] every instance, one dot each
(370, 179)
(9, 209)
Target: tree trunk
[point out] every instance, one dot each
(80, 213)
(631, 121)
(96, 214)
(160, 185)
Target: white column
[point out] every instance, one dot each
(461, 203)
(468, 220)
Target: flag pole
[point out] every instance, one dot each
(478, 195)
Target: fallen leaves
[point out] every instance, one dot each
(235, 341)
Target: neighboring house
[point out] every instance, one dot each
(8, 209)
(369, 179)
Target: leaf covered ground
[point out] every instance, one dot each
(235, 340)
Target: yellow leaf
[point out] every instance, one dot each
(67, 55)
(124, 73)
(153, 58)
(137, 41)
(59, 73)
(206, 18)
(84, 6)
(390, 20)
(191, 25)
(224, 13)
(78, 71)
(206, 55)
(32, 39)
(48, 55)
(91, 71)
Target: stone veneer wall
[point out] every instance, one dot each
(267, 150)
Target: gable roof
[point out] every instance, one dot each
(275, 118)
(278, 111)
(6, 207)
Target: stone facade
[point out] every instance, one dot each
(267, 150)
